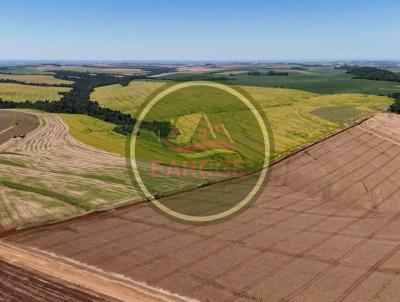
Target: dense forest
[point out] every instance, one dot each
(77, 101)
(269, 73)
(395, 107)
(372, 73)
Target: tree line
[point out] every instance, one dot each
(395, 107)
(269, 73)
(372, 73)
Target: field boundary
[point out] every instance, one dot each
(132, 202)
(84, 276)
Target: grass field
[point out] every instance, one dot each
(21, 92)
(323, 80)
(297, 117)
(35, 79)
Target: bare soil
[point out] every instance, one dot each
(326, 228)
(22, 285)
(14, 123)
(52, 280)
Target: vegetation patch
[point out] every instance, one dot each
(107, 178)
(45, 192)
(395, 107)
(34, 79)
(126, 98)
(91, 69)
(94, 132)
(77, 100)
(291, 112)
(21, 93)
(11, 162)
(338, 114)
(317, 79)
(23, 71)
(372, 73)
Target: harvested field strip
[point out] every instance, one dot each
(329, 215)
(11, 162)
(106, 178)
(43, 191)
(86, 178)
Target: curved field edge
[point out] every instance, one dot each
(297, 117)
(96, 133)
(48, 176)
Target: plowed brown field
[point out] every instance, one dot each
(17, 284)
(326, 228)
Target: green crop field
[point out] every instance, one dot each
(35, 79)
(323, 80)
(297, 117)
(95, 133)
(21, 92)
(128, 98)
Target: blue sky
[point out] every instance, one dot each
(199, 30)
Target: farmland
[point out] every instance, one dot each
(35, 79)
(297, 117)
(127, 99)
(329, 215)
(323, 80)
(15, 124)
(48, 176)
(90, 69)
(324, 208)
(21, 92)
(16, 281)
(23, 71)
(95, 133)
